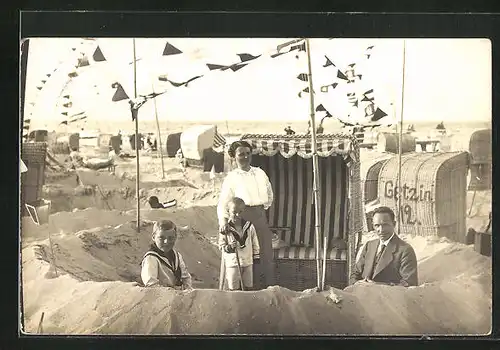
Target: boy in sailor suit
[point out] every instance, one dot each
(162, 265)
(240, 236)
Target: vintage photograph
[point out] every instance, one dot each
(255, 186)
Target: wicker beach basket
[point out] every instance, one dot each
(34, 155)
(173, 144)
(287, 160)
(480, 147)
(389, 142)
(434, 190)
(370, 192)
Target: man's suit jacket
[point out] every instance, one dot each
(397, 265)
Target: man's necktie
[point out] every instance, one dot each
(379, 255)
(377, 258)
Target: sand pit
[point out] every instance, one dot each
(94, 293)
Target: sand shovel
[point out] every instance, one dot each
(239, 266)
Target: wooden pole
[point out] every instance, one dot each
(159, 137)
(400, 143)
(137, 143)
(315, 167)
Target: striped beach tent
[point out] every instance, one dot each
(287, 160)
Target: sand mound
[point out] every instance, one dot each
(451, 301)
(114, 253)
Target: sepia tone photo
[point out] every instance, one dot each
(244, 186)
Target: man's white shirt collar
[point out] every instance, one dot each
(386, 242)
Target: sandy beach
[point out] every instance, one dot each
(86, 286)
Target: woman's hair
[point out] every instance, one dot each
(232, 149)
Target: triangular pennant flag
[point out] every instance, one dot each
(39, 87)
(320, 108)
(301, 47)
(48, 75)
(65, 113)
(68, 105)
(341, 75)
(44, 81)
(282, 46)
(351, 65)
(120, 94)
(236, 67)
(66, 96)
(26, 127)
(303, 77)
(64, 122)
(72, 74)
(359, 76)
(277, 54)
(73, 48)
(27, 121)
(334, 85)
(170, 50)
(328, 62)
(244, 57)
(215, 66)
(378, 114)
(355, 104)
(367, 96)
(98, 56)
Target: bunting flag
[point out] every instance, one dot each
(98, 56)
(244, 60)
(363, 108)
(219, 140)
(303, 77)
(171, 50)
(120, 93)
(245, 57)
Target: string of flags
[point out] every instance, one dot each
(66, 102)
(348, 77)
(244, 60)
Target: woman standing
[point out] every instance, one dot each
(253, 186)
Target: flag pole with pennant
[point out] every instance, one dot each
(137, 143)
(400, 148)
(315, 167)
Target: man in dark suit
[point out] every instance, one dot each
(388, 259)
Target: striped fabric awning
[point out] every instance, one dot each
(289, 145)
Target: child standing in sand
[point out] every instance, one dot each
(162, 265)
(239, 241)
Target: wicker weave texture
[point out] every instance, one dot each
(34, 152)
(299, 275)
(433, 193)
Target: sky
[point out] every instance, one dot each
(444, 79)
